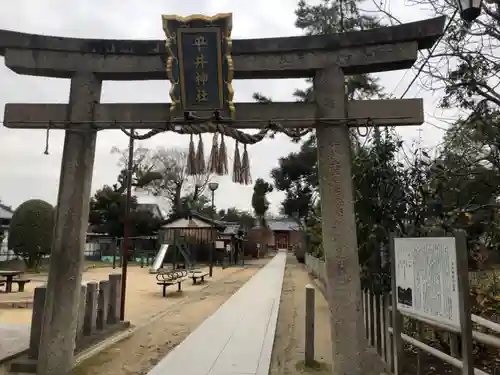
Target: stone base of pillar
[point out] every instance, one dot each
(24, 366)
(27, 365)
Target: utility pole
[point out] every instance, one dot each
(126, 224)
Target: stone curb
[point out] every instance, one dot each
(317, 282)
(21, 304)
(13, 356)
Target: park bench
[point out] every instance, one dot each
(198, 275)
(166, 279)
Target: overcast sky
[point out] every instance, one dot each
(26, 173)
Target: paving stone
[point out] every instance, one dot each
(238, 338)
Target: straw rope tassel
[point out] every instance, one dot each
(222, 162)
(237, 164)
(214, 156)
(191, 162)
(246, 178)
(200, 157)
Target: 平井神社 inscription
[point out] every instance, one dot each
(199, 63)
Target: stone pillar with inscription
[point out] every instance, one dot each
(62, 300)
(338, 223)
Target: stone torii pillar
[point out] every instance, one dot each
(339, 223)
(63, 286)
(87, 61)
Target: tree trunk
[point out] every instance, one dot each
(177, 203)
(196, 193)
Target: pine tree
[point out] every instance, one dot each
(332, 17)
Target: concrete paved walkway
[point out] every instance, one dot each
(14, 338)
(238, 339)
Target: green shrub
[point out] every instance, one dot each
(31, 231)
(300, 254)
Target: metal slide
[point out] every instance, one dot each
(159, 259)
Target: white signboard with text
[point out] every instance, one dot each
(426, 278)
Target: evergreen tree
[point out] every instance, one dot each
(31, 231)
(297, 173)
(332, 17)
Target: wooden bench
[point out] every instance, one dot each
(21, 283)
(198, 275)
(166, 279)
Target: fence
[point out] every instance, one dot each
(419, 334)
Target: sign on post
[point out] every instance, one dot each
(426, 278)
(199, 64)
(430, 281)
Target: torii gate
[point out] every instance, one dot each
(326, 58)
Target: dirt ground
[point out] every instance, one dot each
(151, 342)
(181, 314)
(144, 298)
(144, 302)
(288, 351)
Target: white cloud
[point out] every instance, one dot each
(26, 173)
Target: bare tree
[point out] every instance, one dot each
(143, 173)
(169, 166)
(464, 67)
(464, 64)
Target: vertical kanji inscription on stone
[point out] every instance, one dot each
(338, 223)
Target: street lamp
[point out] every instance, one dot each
(212, 186)
(469, 9)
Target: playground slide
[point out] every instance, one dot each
(159, 259)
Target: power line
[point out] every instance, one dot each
(426, 61)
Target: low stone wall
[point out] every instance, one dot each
(316, 267)
(98, 318)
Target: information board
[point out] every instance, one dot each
(426, 278)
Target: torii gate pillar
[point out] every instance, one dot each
(338, 223)
(63, 286)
